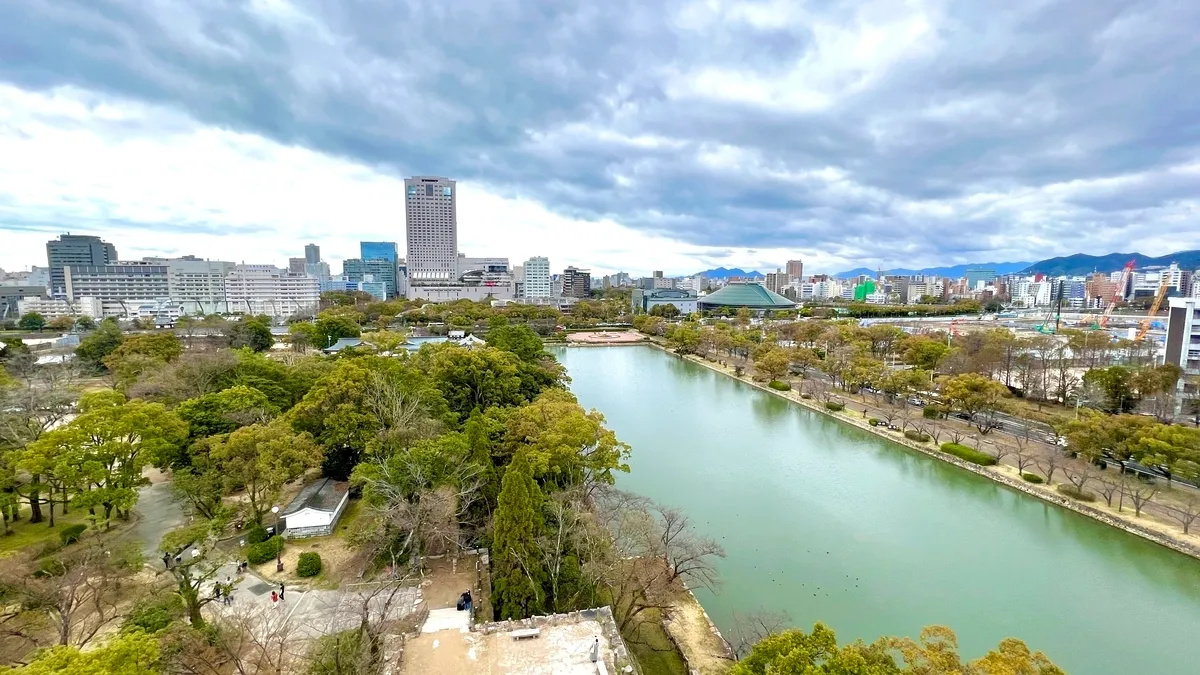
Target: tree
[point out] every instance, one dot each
(98, 344)
(665, 310)
(924, 352)
(62, 323)
(1159, 385)
(331, 326)
(133, 653)
(140, 353)
(32, 321)
(474, 378)
(563, 444)
(251, 332)
(517, 577)
(260, 459)
(1116, 384)
(110, 443)
(222, 412)
(976, 395)
(773, 363)
(199, 563)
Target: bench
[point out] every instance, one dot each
(526, 633)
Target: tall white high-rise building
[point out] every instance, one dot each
(537, 277)
(431, 219)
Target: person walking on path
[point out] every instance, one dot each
(274, 599)
(281, 590)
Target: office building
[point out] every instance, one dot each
(36, 276)
(373, 288)
(978, 278)
(198, 286)
(383, 250)
(775, 281)
(11, 296)
(430, 213)
(576, 283)
(1183, 346)
(297, 265)
(795, 271)
(119, 287)
(53, 308)
(75, 249)
(379, 269)
(537, 278)
(312, 254)
(266, 289)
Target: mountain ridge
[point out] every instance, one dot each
(952, 271)
(1082, 263)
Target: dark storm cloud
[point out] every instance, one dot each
(958, 147)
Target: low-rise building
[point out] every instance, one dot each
(266, 289)
(646, 300)
(54, 308)
(120, 287)
(315, 510)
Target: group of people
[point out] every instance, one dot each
(277, 597)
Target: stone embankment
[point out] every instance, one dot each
(1039, 491)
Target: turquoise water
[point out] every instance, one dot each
(832, 524)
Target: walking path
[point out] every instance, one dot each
(157, 514)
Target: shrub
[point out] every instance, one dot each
(154, 614)
(874, 421)
(930, 412)
(1032, 478)
(264, 551)
(257, 535)
(71, 534)
(779, 386)
(835, 407)
(806, 396)
(1075, 493)
(916, 436)
(968, 454)
(309, 564)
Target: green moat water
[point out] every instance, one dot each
(834, 524)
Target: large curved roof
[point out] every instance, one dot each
(753, 296)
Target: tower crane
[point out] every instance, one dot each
(1118, 293)
(1158, 298)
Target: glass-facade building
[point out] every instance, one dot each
(367, 269)
(379, 250)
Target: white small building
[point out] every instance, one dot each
(316, 509)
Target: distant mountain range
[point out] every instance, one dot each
(723, 273)
(954, 271)
(1080, 263)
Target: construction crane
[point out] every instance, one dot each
(1158, 298)
(1118, 293)
(1056, 293)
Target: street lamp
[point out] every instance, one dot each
(279, 554)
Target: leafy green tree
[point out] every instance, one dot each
(518, 577)
(61, 323)
(222, 412)
(474, 378)
(564, 444)
(85, 323)
(863, 371)
(32, 321)
(773, 362)
(193, 572)
(331, 327)
(98, 344)
(979, 396)
(924, 352)
(1116, 384)
(140, 353)
(110, 443)
(251, 332)
(519, 340)
(665, 310)
(131, 653)
(260, 459)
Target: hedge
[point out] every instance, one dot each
(71, 533)
(874, 421)
(154, 614)
(779, 386)
(309, 564)
(256, 535)
(835, 407)
(968, 454)
(806, 396)
(1074, 493)
(1033, 478)
(263, 551)
(916, 436)
(930, 412)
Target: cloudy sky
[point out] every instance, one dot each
(614, 134)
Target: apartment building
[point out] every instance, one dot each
(119, 287)
(266, 289)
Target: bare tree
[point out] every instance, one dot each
(750, 629)
(1023, 453)
(1109, 487)
(258, 640)
(1080, 473)
(1001, 450)
(687, 555)
(1186, 511)
(1139, 493)
(1049, 463)
(402, 412)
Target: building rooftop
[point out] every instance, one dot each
(323, 495)
(752, 296)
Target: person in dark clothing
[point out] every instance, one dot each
(281, 591)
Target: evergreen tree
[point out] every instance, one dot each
(517, 588)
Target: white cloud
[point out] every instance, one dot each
(153, 182)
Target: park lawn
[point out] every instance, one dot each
(24, 535)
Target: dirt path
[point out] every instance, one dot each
(706, 653)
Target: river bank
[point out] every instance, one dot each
(998, 474)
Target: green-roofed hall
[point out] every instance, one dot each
(748, 295)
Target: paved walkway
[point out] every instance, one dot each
(157, 514)
(315, 612)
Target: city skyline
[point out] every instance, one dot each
(679, 137)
